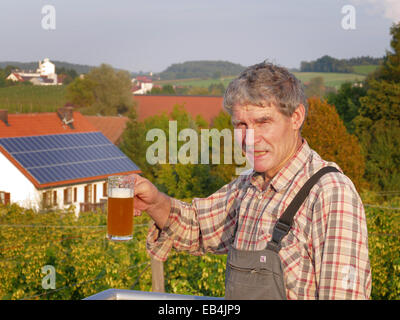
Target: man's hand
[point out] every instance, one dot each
(149, 199)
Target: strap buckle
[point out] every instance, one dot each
(280, 230)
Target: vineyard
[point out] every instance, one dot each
(86, 263)
(29, 98)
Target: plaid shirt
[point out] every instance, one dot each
(324, 255)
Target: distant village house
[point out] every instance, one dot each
(45, 75)
(142, 85)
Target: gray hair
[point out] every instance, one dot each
(264, 84)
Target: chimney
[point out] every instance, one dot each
(4, 116)
(66, 115)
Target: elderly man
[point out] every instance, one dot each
(293, 228)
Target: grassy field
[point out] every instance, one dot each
(32, 98)
(365, 70)
(196, 82)
(330, 79)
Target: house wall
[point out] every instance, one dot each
(22, 191)
(25, 194)
(80, 195)
(47, 68)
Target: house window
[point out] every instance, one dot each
(94, 193)
(47, 199)
(75, 194)
(67, 195)
(4, 197)
(105, 189)
(88, 193)
(54, 197)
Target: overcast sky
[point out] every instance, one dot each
(151, 35)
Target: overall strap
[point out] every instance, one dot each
(285, 222)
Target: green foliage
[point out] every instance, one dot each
(80, 92)
(102, 91)
(390, 69)
(329, 64)
(166, 89)
(382, 143)
(85, 262)
(25, 99)
(379, 118)
(195, 275)
(133, 141)
(325, 64)
(384, 245)
(69, 74)
(347, 102)
(377, 127)
(381, 102)
(200, 69)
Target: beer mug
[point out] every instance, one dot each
(120, 208)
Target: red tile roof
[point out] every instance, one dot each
(206, 106)
(143, 79)
(35, 124)
(111, 127)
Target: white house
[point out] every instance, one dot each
(55, 160)
(45, 75)
(46, 68)
(141, 85)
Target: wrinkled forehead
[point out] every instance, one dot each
(252, 111)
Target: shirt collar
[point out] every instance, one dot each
(281, 180)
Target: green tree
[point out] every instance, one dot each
(377, 127)
(133, 142)
(102, 91)
(166, 89)
(80, 92)
(383, 155)
(378, 120)
(223, 171)
(347, 102)
(390, 68)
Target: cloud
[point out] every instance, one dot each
(390, 9)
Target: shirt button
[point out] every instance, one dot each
(260, 196)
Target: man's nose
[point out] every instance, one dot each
(251, 139)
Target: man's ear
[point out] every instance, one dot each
(298, 116)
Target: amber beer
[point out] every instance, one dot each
(120, 208)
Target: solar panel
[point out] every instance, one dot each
(53, 158)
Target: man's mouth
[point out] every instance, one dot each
(259, 153)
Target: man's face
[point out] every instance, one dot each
(276, 136)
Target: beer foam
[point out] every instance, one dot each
(121, 193)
